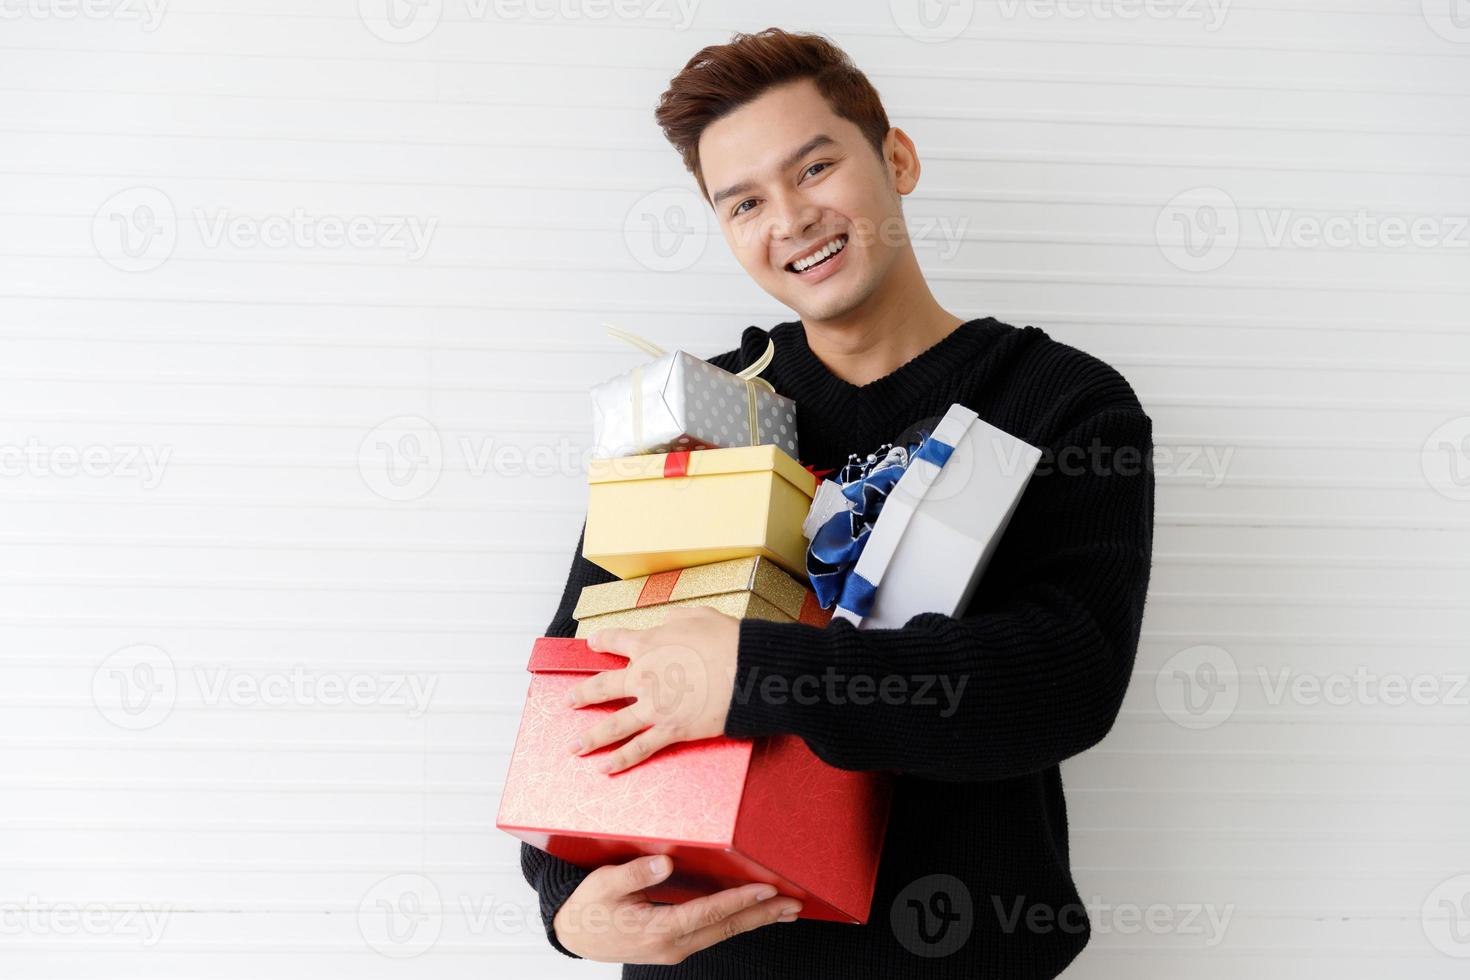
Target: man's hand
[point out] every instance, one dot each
(681, 673)
(609, 918)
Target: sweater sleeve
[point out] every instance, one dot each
(553, 878)
(1035, 669)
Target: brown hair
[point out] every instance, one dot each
(722, 78)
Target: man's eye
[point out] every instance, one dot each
(739, 208)
(815, 166)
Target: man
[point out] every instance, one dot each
(791, 147)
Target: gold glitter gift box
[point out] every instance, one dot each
(659, 512)
(746, 588)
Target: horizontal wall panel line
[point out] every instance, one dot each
(1310, 639)
(432, 339)
(307, 257)
(579, 433)
(1319, 798)
(1230, 559)
(772, 316)
(550, 588)
(431, 379)
(1401, 716)
(429, 746)
(1167, 281)
(879, 30)
(896, 109)
(1149, 636)
(1161, 518)
(1256, 81)
(487, 829)
(942, 194)
(1281, 84)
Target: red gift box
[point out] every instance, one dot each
(729, 811)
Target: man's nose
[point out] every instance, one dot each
(792, 215)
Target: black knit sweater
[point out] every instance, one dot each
(975, 879)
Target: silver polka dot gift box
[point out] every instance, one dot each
(678, 401)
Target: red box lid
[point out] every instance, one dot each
(554, 654)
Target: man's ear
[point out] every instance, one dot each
(902, 161)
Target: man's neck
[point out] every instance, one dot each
(886, 333)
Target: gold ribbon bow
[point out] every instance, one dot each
(749, 375)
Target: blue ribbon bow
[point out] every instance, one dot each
(838, 543)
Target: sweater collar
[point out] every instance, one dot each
(806, 378)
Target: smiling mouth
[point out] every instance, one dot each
(819, 257)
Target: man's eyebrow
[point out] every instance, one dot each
(820, 140)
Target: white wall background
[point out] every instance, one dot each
(1326, 537)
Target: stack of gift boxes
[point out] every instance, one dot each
(695, 497)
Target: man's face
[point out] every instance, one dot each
(788, 178)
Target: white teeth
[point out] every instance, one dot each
(801, 265)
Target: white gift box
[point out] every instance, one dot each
(680, 402)
(940, 524)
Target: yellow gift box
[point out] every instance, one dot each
(661, 511)
(746, 588)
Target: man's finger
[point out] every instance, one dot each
(600, 687)
(612, 639)
(638, 748)
(615, 727)
(762, 914)
(640, 873)
(691, 916)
